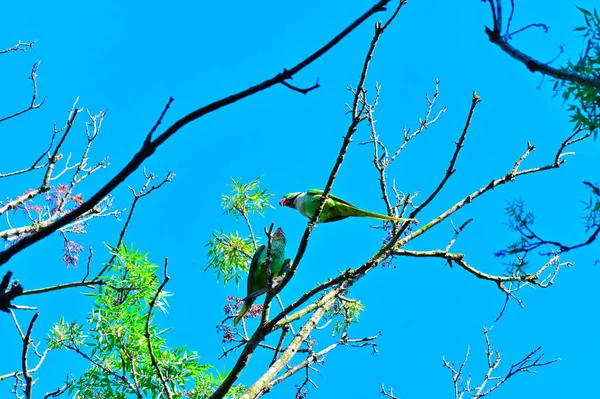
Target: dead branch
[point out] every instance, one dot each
(527, 364)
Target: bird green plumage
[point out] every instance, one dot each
(258, 277)
(334, 208)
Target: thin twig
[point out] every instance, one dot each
(20, 46)
(58, 287)
(137, 195)
(32, 105)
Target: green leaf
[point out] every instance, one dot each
(584, 11)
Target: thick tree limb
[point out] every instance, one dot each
(263, 383)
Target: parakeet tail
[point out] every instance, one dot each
(241, 314)
(360, 212)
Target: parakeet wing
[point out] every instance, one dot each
(253, 266)
(314, 192)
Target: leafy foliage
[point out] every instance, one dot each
(229, 254)
(115, 340)
(584, 105)
(348, 312)
(246, 199)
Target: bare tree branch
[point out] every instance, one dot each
(58, 287)
(358, 115)
(502, 40)
(389, 393)
(20, 46)
(459, 145)
(381, 162)
(26, 343)
(527, 364)
(32, 105)
(151, 145)
(509, 177)
(144, 191)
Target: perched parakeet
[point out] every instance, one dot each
(334, 209)
(258, 275)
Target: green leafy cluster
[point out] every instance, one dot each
(246, 198)
(345, 312)
(584, 101)
(230, 254)
(114, 338)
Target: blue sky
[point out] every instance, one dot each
(129, 59)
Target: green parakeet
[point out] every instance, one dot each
(334, 209)
(258, 276)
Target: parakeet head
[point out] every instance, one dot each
(288, 199)
(279, 236)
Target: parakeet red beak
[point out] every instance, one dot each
(284, 202)
(279, 234)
